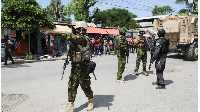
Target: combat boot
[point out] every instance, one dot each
(122, 78)
(120, 81)
(145, 73)
(161, 86)
(90, 104)
(136, 72)
(69, 108)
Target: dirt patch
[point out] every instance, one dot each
(10, 101)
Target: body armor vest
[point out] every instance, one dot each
(165, 45)
(80, 51)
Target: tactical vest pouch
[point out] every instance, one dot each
(78, 56)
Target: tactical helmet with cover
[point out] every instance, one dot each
(161, 33)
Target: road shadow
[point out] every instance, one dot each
(100, 101)
(178, 56)
(168, 82)
(130, 77)
(150, 72)
(14, 65)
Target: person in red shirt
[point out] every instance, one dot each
(96, 45)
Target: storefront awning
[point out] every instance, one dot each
(102, 31)
(96, 30)
(112, 31)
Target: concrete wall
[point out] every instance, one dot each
(39, 45)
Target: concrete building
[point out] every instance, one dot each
(146, 23)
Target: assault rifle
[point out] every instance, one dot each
(127, 54)
(151, 51)
(66, 63)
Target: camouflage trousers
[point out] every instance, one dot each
(79, 76)
(121, 65)
(141, 55)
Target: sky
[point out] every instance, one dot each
(141, 8)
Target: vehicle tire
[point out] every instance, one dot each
(192, 52)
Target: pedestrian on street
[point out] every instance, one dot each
(79, 75)
(131, 44)
(121, 50)
(101, 44)
(134, 46)
(96, 44)
(142, 52)
(8, 45)
(160, 54)
(108, 45)
(105, 45)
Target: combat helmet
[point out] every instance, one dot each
(82, 24)
(161, 33)
(122, 31)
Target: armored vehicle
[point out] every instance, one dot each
(182, 32)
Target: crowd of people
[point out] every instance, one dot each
(104, 46)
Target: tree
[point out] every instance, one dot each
(55, 11)
(24, 15)
(193, 6)
(162, 10)
(185, 11)
(116, 17)
(80, 9)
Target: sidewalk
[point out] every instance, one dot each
(21, 59)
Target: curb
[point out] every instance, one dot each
(32, 61)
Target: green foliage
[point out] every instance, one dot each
(60, 35)
(185, 2)
(80, 9)
(116, 17)
(55, 11)
(185, 11)
(30, 56)
(24, 15)
(162, 10)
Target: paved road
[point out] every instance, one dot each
(36, 87)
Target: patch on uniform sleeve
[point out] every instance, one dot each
(77, 36)
(157, 44)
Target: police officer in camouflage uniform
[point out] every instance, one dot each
(79, 58)
(121, 50)
(159, 54)
(141, 42)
